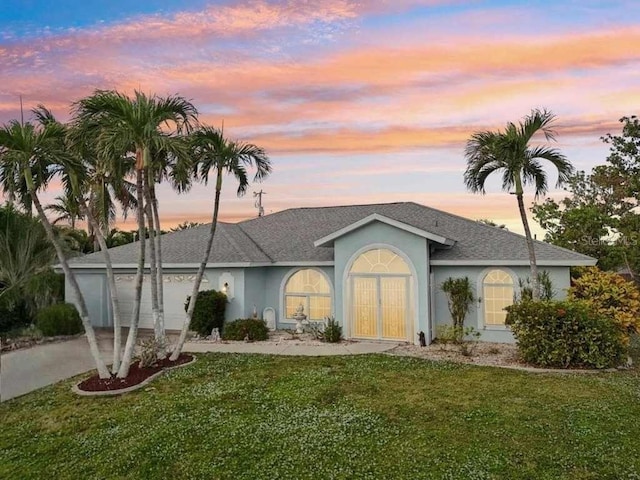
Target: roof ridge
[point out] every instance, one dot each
(233, 242)
(291, 209)
(250, 238)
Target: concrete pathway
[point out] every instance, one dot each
(23, 371)
(26, 370)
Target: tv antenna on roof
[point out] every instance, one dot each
(258, 202)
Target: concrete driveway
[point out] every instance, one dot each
(26, 370)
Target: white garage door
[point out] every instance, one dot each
(176, 290)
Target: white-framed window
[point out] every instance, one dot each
(310, 288)
(497, 293)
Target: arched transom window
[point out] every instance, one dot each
(311, 289)
(498, 294)
(380, 260)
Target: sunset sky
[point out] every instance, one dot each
(355, 102)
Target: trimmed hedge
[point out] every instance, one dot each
(208, 313)
(59, 319)
(239, 329)
(565, 334)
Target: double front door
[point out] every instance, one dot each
(380, 306)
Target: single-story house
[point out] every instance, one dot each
(376, 268)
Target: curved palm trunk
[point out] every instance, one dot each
(158, 332)
(103, 371)
(135, 317)
(111, 280)
(196, 284)
(156, 218)
(530, 245)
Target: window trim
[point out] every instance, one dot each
(482, 325)
(282, 315)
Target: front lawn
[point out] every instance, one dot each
(379, 417)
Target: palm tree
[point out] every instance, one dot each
(121, 126)
(26, 257)
(509, 152)
(37, 151)
(213, 153)
(67, 210)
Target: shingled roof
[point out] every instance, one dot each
(289, 236)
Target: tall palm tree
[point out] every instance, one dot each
(213, 153)
(509, 153)
(37, 151)
(122, 126)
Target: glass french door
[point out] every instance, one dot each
(380, 306)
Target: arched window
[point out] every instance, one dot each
(380, 260)
(498, 293)
(310, 288)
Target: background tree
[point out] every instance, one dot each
(217, 155)
(509, 153)
(601, 217)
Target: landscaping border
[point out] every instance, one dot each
(75, 389)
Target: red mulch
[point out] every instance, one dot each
(136, 375)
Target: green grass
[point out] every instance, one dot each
(378, 417)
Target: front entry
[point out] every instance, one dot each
(380, 296)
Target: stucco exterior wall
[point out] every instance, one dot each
(93, 285)
(266, 285)
(559, 277)
(381, 235)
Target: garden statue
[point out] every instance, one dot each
(215, 334)
(299, 317)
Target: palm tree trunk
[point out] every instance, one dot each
(158, 332)
(156, 218)
(135, 317)
(530, 245)
(113, 296)
(196, 284)
(103, 371)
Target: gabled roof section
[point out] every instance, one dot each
(327, 241)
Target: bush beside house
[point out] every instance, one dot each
(59, 319)
(246, 328)
(610, 295)
(565, 334)
(209, 312)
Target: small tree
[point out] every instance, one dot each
(459, 298)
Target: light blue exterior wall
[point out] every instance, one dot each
(380, 235)
(559, 277)
(94, 288)
(265, 285)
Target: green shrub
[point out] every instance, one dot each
(208, 313)
(332, 331)
(59, 319)
(252, 328)
(565, 334)
(610, 295)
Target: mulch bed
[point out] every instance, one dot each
(136, 375)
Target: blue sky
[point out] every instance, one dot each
(356, 102)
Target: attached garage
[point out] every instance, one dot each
(177, 287)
